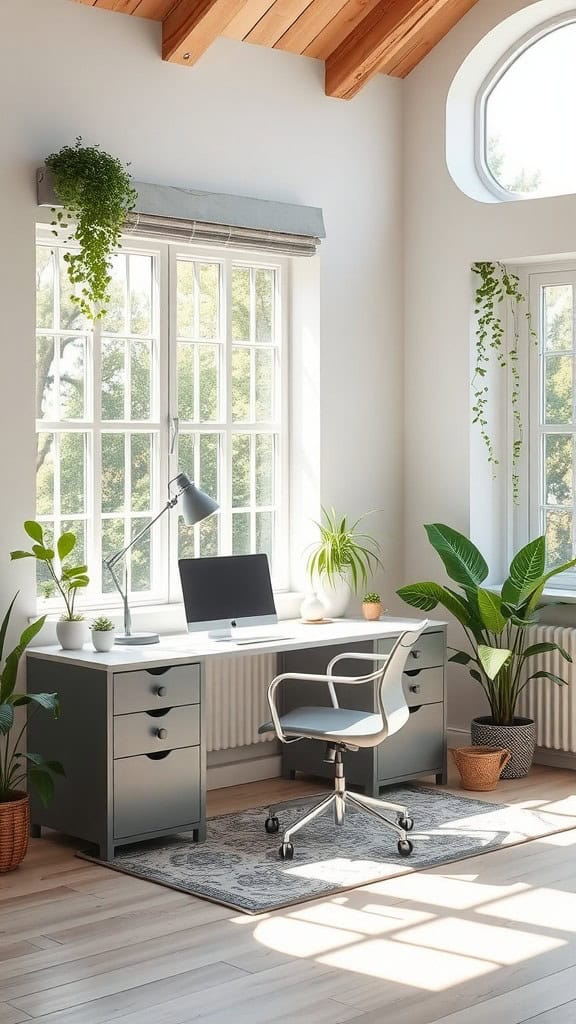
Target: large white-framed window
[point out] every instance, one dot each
(522, 147)
(187, 371)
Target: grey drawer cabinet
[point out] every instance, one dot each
(419, 748)
(133, 746)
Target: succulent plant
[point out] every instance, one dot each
(102, 624)
(371, 599)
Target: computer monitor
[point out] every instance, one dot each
(227, 591)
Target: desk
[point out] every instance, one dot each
(131, 733)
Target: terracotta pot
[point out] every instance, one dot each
(371, 610)
(480, 767)
(14, 831)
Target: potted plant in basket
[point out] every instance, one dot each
(71, 628)
(102, 630)
(499, 657)
(372, 607)
(16, 765)
(341, 560)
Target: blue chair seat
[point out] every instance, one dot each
(328, 723)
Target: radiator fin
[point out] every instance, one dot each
(552, 706)
(236, 702)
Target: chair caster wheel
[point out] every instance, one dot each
(286, 851)
(272, 825)
(405, 847)
(406, 823)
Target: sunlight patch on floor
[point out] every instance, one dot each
(552, 908)
(420, 968)
(302, 938)
(451, 893)
(359, 921)
(496, 944)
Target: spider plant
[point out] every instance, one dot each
(343, 550)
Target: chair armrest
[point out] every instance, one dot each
(329, 679)
(359, 657)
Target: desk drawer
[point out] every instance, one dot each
(416, 748)
(428, 651)
(145, 732)
(147, 689)
(156, 792)
(425, 687)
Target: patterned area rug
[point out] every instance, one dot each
(238, 866)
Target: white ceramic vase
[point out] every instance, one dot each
(312, 609)
(335, 593)
(72, 634)
(103, 639)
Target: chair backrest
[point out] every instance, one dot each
(391, 698)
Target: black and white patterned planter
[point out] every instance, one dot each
(519, 739)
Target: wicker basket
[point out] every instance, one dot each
(14, 831)
(480, 767)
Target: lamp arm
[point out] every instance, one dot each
(114, 559)
(124, 596)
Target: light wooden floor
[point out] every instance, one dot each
(484, 941)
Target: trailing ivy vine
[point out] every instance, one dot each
(497, 290)
(96, 194)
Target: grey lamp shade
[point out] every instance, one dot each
(195, 504)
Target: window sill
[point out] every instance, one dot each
(551, 594)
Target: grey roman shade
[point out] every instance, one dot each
(211, 218)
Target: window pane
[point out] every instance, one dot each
(264, 469)
(78, 555)
(140, 559)
(72, 473)
(209, 457)
(209, 536)
(140, 294)
(186, 446)
(264, 288)
(559, 469)
(264, 384)
(241, 384)
(141, 466)
(72, 378)
(45, 586)
(186, 541)
(240, 304)
(70, 317)
(240, 533)
(534, 92)
(45, 264)
(558, 317)
(115, 320)
(113, 372)
(46, 400)
(208, 356)
(558, 537)
(113, 472)
(185, 371)
(141, 367)
(185, 299)
(264, 525)
(240, 470)
(558, 389)
(209, 286)
(45, 475)
(112, 541)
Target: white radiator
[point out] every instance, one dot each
(236, 702)
(552, 707)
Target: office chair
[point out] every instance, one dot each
(344, 729)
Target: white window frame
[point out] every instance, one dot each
(488, 85)
(165, 584)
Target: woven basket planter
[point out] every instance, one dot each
(519, 739)
(14, 831)
(480, 767)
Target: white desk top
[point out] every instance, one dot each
(185, 647)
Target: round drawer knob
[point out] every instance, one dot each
(416, 654)
(161, 691)
(162, 733)
(415, 688)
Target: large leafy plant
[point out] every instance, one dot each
(70, 579)
(18, 766)
(342, 550)
(495, 623)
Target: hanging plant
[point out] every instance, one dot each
(96, 194)
(498, 289)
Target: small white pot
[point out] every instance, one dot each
(312, 609)
(72, 634)
(103, 639)
(335, 593)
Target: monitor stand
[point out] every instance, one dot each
(225, 634)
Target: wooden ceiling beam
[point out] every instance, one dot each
(382, 41)
(193, 25)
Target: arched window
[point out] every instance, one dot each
(526, 137)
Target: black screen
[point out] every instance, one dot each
(226, 588)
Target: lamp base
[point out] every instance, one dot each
(137, 638)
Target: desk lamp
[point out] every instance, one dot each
(196, 506)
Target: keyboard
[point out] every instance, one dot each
(262, 639)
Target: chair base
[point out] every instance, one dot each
(338, 801)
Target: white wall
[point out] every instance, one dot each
(445, 231)
(246, 120)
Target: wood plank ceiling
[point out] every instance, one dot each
(356, 38)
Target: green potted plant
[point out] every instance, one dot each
(372, 606)
(16, 765)
(102, 630)
(96, 193)
(342, 560)
(499, 656)
(71, 628)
